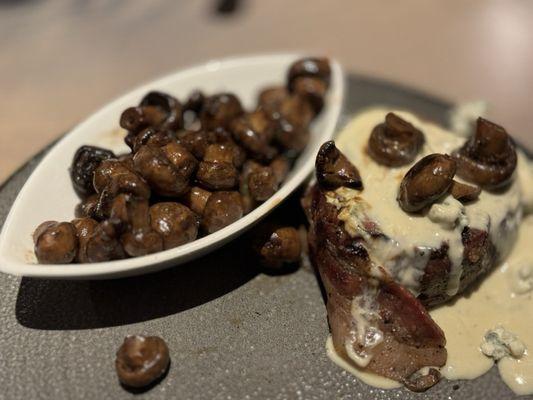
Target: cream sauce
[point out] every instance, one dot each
(412, 236)
(504, 298)
(361, 374)
(494, 303)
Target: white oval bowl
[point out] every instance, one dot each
(48, 193)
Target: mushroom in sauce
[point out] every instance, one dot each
(395, 142)
(428, 180)
(463, 192)
(488, 158)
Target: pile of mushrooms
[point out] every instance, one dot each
(194, 168)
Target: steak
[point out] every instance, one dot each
(408, 339)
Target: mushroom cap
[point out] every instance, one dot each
(334, 170)
(426, 181)
(167, 103)
(395, 142)
(84, 163)
(55, 242)
(488, 158)
(314, 67)
(141, 360)
(176, 223)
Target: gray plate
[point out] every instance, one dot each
(234, 333)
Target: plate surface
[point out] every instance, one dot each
(233, 333)
(48, 193)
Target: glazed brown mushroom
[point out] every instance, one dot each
(225, 153)
(85, 227)
(114, 217)
(55, 242)
(297, 111)
(134, 119)
(182, 160)
(194, 141)
(221, 209)
(195, 102)
(281, 166)
(463, 192)
(141, 360)
(84, 163)
(292, 124)
(152, 137)
(196, 199)
(262, 183)
(217, 175)
(270, 99)
(133, 216)
(254, 131)
(167, 169)
(312, 67)
(88, 207)
(292, 140)
(283, 246)
(488, 158)
(198, 141)
(219, 110)
(247, 201)
(169, 105)
(103, 244)
(333, 169)
(426, 181)
(174, 222)
(312, 89)
(395, 142)
(114, 176)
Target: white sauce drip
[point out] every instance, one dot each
(504, 298)
(496, 302)
(364, 332)
(361, 374)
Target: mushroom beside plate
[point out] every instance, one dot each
(48, 193)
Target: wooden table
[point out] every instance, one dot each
(60, 60)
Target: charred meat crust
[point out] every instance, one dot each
(479, 256)
(411, 339)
